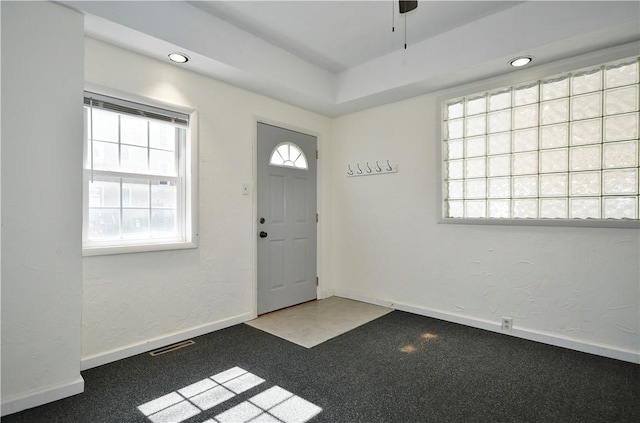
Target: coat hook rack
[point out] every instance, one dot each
(367, 170)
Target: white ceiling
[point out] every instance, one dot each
(336, 57)
(338, 35)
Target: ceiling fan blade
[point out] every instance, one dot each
(407, 6)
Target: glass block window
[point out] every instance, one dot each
(288, 154)
(564, 147)
(135, 175)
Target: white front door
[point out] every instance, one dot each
(286, 218)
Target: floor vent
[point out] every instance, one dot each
(170, 348)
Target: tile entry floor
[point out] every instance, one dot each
(315, 322)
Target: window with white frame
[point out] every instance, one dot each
(563, 147)
(287, 154)
(137, 185)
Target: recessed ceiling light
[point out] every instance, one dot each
(520, 61)
(179, 57)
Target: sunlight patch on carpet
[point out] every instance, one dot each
(271, 405)
(424, 338)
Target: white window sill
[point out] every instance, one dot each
(128, 249)
(582, 223)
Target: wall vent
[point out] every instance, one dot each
(170, 348)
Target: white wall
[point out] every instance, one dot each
(133, 302)
(575, 287)
(42, 82)
(378, 236)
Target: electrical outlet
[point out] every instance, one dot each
(507, 323)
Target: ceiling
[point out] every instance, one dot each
(337, 57)
(338, 35)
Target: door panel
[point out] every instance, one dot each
(300, 261)
(277, 199)
(276, 255)
(287, 202)
(301, 203)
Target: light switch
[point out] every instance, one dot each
(246, 189)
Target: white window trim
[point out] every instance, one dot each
(512, 79)
(191, 180)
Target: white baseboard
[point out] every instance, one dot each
(325, 293)
(545, 338)
(42, 396)
(362, 298)
(152, 344)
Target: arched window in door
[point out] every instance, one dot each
(287, 154)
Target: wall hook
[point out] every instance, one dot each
(366, 170)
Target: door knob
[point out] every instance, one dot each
(263, 234)
(262, 220)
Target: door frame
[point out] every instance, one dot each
(254, 201)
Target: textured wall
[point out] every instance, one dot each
(572, 283)
(42, 81)
(133, 298)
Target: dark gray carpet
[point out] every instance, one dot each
(446, 373)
